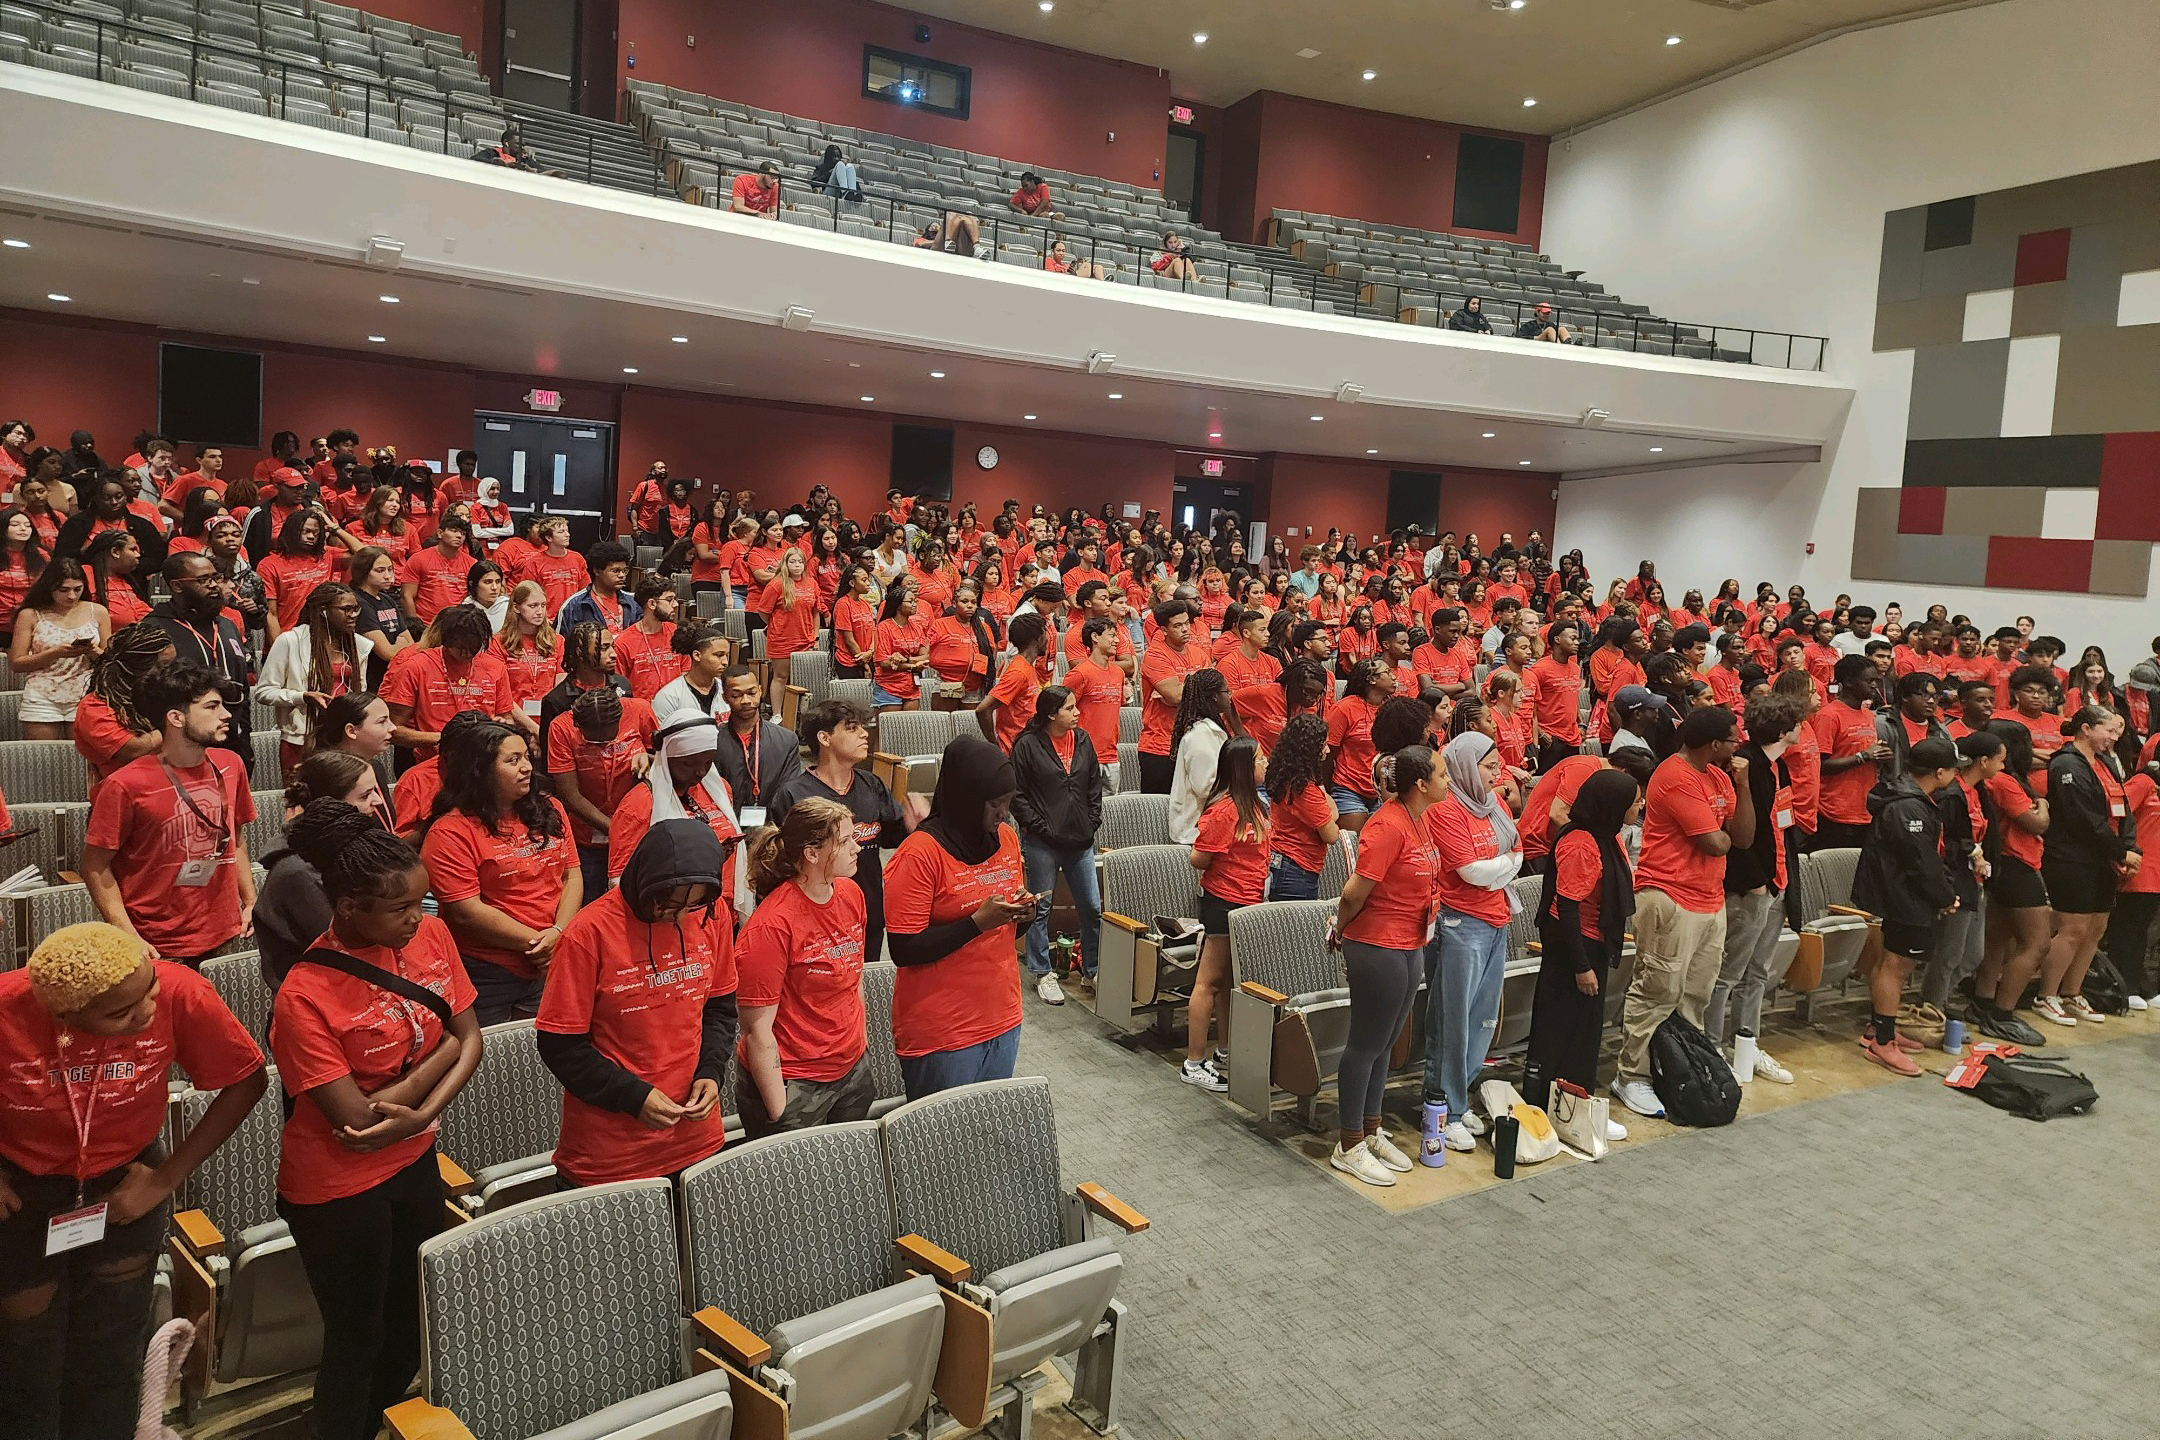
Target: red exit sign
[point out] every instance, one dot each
(1181, 114)
(1211, 467)
(550, 400)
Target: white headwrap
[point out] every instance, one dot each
(693, 733)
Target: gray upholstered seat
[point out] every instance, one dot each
(1135, 819)
(42, 772)
(502, 1129)
(792, 1238)
(1835, 941)
(497, 1354)
(1139, 883)
(1280, 947)
(239, 982)
(877, 981)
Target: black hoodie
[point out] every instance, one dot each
(673, 852)
(1901, 875)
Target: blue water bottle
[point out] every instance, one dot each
(1432, 1150)
(1954, 1036)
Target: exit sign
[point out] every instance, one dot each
(1211, 467)
(1181, 114)
(548, 400)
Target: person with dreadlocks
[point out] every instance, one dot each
(111, 558)
(598, 751)
(374, 1032)
(586, 658)
(639, 1018)
(311, 664)
(94, 1026)
(503, 867)
(109, 730)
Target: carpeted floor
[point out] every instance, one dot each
(1900, 1261)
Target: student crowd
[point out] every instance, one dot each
(521, 787)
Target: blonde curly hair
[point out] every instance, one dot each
(77, 963)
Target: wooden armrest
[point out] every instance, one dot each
(454, 1179)
(415, 1419)
(1116, 1211)
(1535, 947)
(1849, 910)
(949, 1268)
(194, 1230)
(69, 877)
(1261, 992)
(730, 1338)
(1124, 922)
(880, 757)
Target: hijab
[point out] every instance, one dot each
(688, 734)
(972, 773)
(1462, 756)
(1599, 810)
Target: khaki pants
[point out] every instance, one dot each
(1677, 954)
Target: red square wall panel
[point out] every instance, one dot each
(1920, 510)
(2026, 562)
(2129, 487)
(2043, 256)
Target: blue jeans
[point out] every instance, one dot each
(993, 1059)
(1042, 863)
(592, 867)
(1463, 970)
(1349, 802)
(1288, 880)
(880, 696)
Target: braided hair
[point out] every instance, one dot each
(1206, 697)
(128, 657)
(350, 850)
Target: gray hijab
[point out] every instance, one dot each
(1462, 757)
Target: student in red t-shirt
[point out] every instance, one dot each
(640, 1015)
(1231, 853)
(1171, 656)
(504, 870)
(1695, 812)
(954, 899)
(557, 570)
(424, 688)
(804, 1032)
(854, 623)
(291, 572)
(1846, 731)
(165, 856)
(597, 752)
(2137, 902)
(901, 652)
(434, 578)
(684, 783)
(1350, 745)
(1381, 925)
(374, 1033)
(1583, 915)
(790, 605)
(93, 1028)
(1301, 812)
(1058, 809)
(1098, 685)
(1010, 703)
(643, 653)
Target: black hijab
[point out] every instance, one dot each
(1599, 810)
(972, 773)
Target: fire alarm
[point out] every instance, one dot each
(1810, 547)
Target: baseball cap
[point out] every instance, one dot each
(1543, 308)
(286, 475)
(1635, 697)
(793, 522)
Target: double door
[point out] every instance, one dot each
(550, 466)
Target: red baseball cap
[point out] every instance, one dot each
(286, 475)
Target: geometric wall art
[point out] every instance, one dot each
(2032, 444)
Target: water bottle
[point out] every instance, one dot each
(1504, 1130)
(1954, 1036)
(1432, 1150)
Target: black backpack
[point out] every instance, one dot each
(2035, 1089)
(1691, 1078)
(2105, 989)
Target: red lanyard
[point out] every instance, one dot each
(750, 753)
(81, 1117)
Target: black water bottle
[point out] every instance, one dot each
(1504, 1130)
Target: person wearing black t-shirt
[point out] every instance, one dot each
(836, 736)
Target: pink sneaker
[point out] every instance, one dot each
(1890, 1057)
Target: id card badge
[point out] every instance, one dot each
(2115, 808)
(532, 708)
(194, 874)
(750, 817)
(73, 1229)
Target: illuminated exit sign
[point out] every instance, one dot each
(1181, 114)
(1211, 467)
(548, 400)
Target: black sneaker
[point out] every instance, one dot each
(2002, 1025)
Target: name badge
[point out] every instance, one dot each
(532, 708)
(73, 1229)
(750, 817)
(2115, 808)
(1784, 819)
(194, 874)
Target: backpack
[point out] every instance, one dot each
(2035, 1089)
(2105, 989)
(1691, 1078)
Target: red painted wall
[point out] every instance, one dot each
(1031, 103)
(467, 19)
(1309, 492)
(1299, 154)
(1488, 503)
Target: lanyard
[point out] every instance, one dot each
(215, 827)
(750, 754)
(81, 1117)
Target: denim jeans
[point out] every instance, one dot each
(1463, 969)
(1287, 880)
(592, 869)
(993, 1059)
(1349, 802)
(1042, 863)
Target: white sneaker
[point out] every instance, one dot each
(1637, 1096)
(1048, 988)
(1475, 1123)
(2136, 1002)
(2079, 1006)
(1387, 1152)
(1197, 1072)
(1614, 1130)
(1769, 1069)
(1359, 1164)
(2152, 1002)
(2050, 1008)
(1457, 1136)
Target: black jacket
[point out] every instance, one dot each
(779, 757)
(1901, 876)
(1059, 808)
(1890, 729)
(1958, 848)
(1756, 866)
(222, 650)
(74, 537)
(2081, 828)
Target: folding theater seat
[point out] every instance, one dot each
(1135, 971)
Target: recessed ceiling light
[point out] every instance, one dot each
(1528, 101)
(57, 298)
(250, 280)
(937, 374)
(1371, 75)
(388, 299)
(1514, 4)
(1657, 449)
(1672, 39)
(1045, 6)
(1488, 434)
(629, 369)
(1308, 53)
(1372, 452)
(1319, 417)
(13, 244)
(867, 399)
(1114, 395)
(378, 340)
(1214, 434)
(854, 364)
(1522, 462)
(1027, 417)
(680, 339)
(1199, 37)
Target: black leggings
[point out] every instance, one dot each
(1566, 1026)
(1383, 987)
(361, 1254)
(2129, 937)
